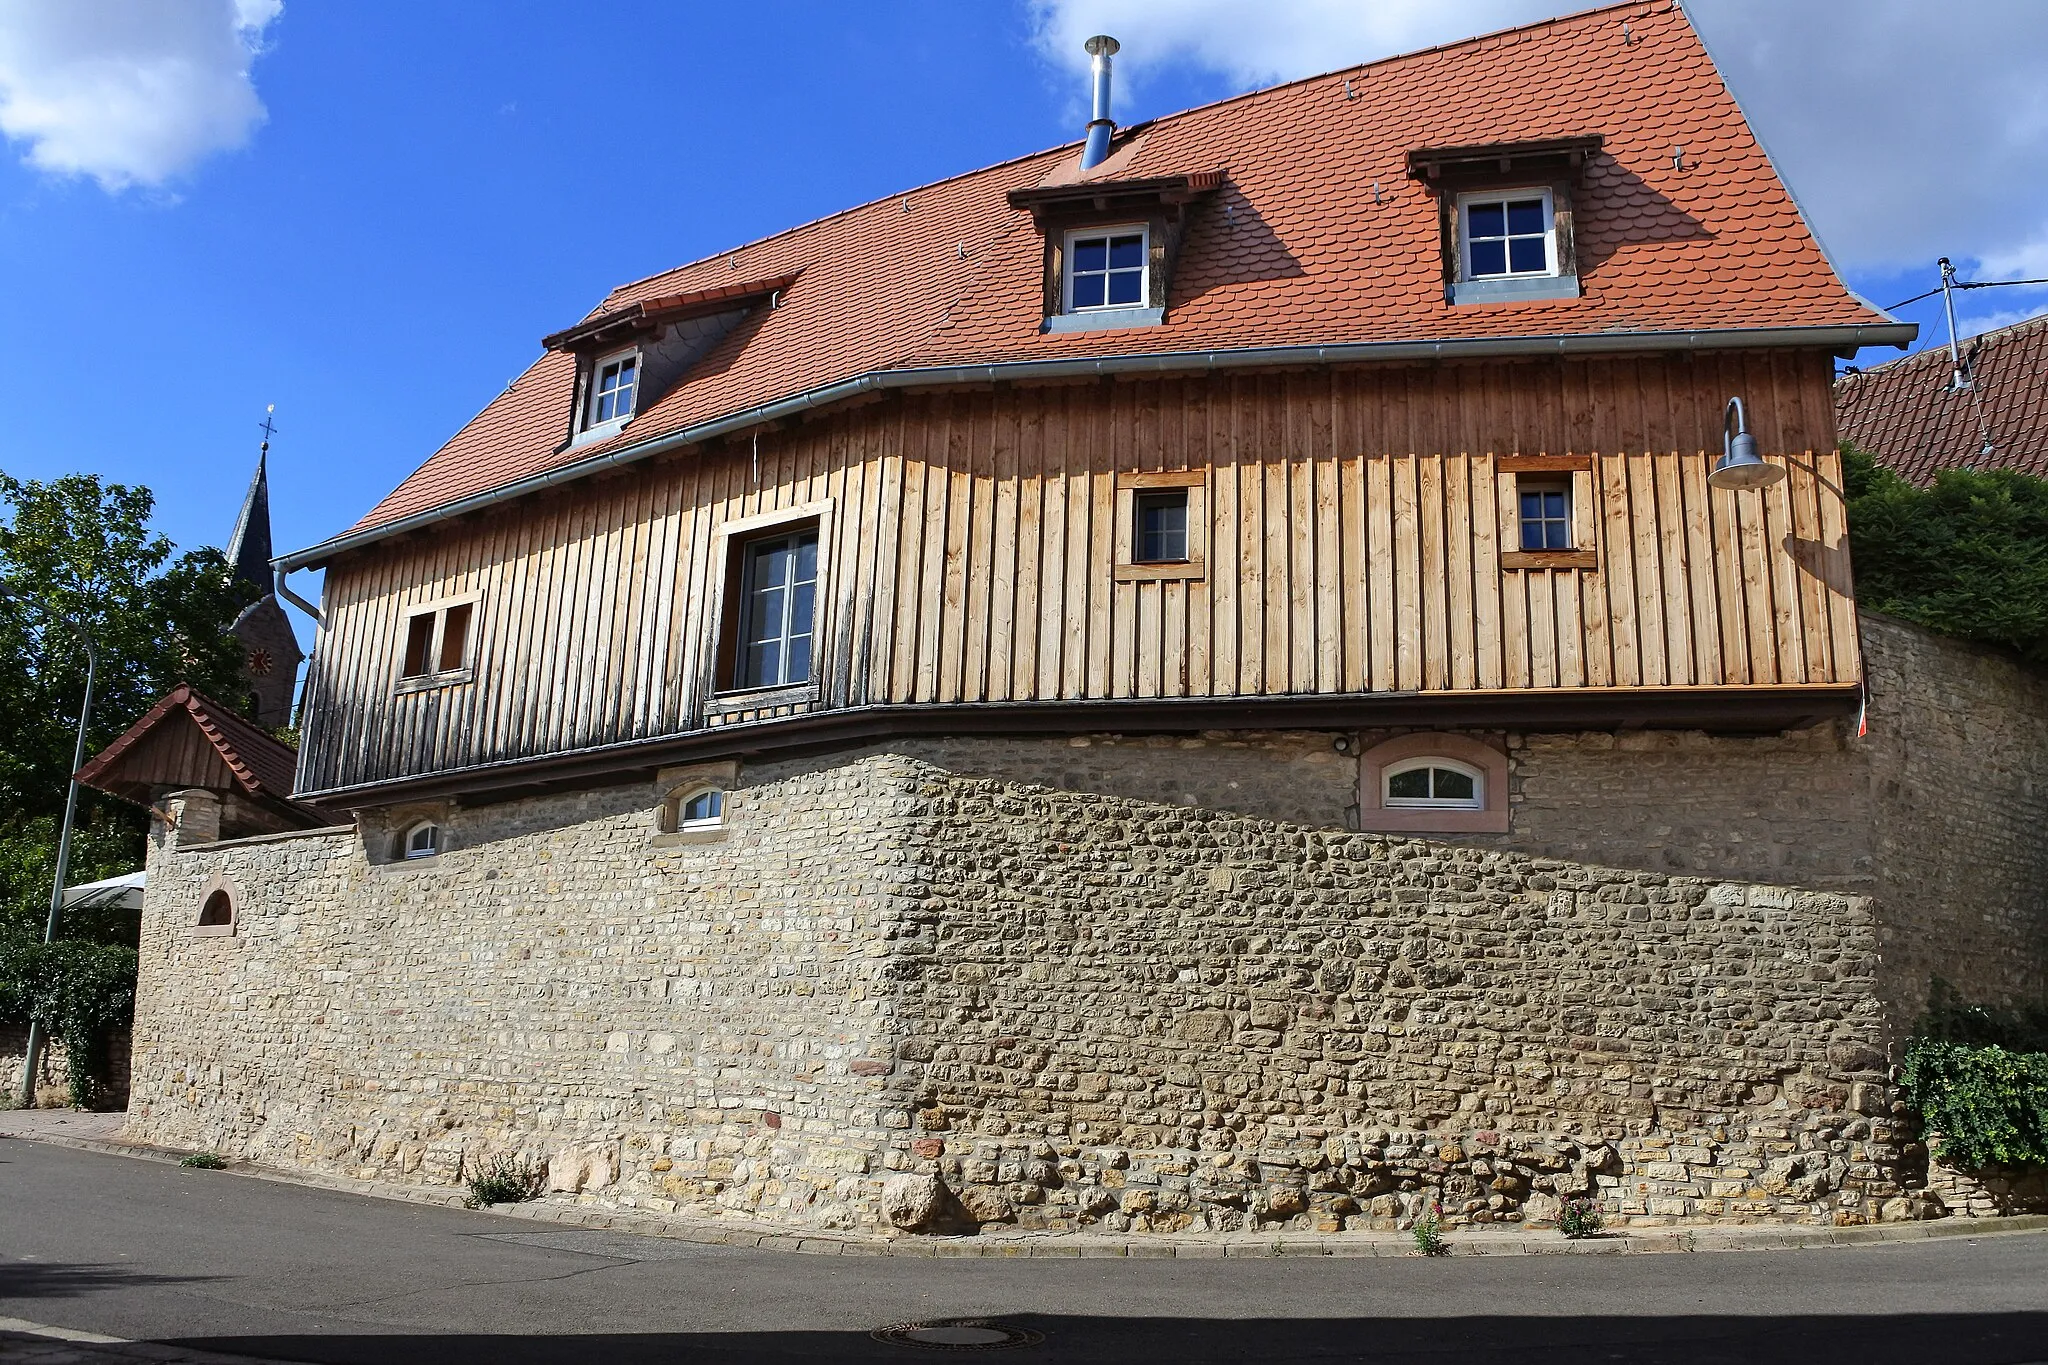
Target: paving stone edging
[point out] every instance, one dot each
(1162, 1246)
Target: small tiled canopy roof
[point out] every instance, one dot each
(1909, 416)
(1316, 236)
(190, 740)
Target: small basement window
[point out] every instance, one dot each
(422, 840)
(1507, 235)
(1434, 783)
(1107, 268)
(1160, 534)
(437, 644)
(1545, 506)
(699, 810)
(613, 382)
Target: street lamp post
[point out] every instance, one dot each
(34, 1050)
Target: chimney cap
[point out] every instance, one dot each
(1101, 45)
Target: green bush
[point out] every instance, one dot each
(1428, 1231)
(1579, 1217)
(506, 1180)
(1966, 557)
(1989, 1104)
(205, 1161)
(77, 992)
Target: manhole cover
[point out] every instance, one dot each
(958, 1334)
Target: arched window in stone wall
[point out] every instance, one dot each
(421, 840)
(1433, 783)
(694, 810)
(218, 903)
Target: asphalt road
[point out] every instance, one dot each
(213, 1260)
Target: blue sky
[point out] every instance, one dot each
(431, 187)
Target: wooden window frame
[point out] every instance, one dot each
(1375, 816)
(728, 542)
(1552, 258)
(1584, 554)
(1129, 568)
(1460, 289)
(437, 676)
(590, 420)
(1143, 230)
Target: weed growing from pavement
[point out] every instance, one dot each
(205, 1161)
(1580, 1217)
(506, 1180)
(1428, 1232)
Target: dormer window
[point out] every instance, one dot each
(1106, 268)
(1506, 213)
(1508, 235)
(612, 384)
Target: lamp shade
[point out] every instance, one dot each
(1740, 467)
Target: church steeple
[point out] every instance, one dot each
(249, 551)
(270, 649)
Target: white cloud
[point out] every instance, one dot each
(129, 92)
(1909, 130)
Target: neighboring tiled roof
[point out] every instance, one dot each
(1318, 236)
(261, 764)
(1906, 414)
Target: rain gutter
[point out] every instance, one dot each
(1164, 362)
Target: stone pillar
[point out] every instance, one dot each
(195, 816)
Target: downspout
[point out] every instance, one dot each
(284, 590)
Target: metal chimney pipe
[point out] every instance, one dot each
(1100, 49)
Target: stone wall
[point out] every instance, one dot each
(1147, 983)
(53, 1068)
(1958, 770)
(698, 1022)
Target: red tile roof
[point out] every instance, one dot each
(1906, 414)
(1318, 236)
(261, 764)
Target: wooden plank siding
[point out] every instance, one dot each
(1357, 520)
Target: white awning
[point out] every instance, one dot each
(125, 891)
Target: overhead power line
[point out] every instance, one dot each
(1962, 284)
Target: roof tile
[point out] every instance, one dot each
(1293, 249)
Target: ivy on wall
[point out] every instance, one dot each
(1979, 1077)
(77, 991)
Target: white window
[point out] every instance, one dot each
(1107, 268)
(1507, 234)
(612, 382)
(778, 598)
(702, 809)
(1434, 783)
(421, 841)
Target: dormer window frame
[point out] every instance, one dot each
(1071, 209)
(591, 427)
(1507, 199)
(1108, 233)
(1460, 177)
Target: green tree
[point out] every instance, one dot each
(1967, 556)
(77, 553)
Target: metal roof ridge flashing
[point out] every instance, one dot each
(1833, 337)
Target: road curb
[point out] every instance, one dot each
(1067, 1245)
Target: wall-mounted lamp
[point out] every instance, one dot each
(1740, 467)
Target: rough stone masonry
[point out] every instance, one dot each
(1143, 984)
